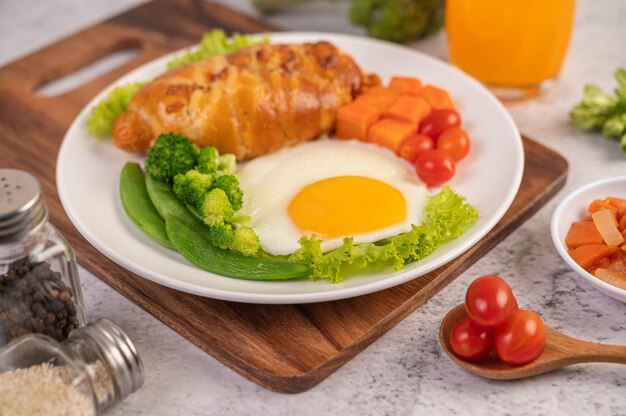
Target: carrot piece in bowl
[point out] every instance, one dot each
(599, 205)
(582, 233)
(586, 256)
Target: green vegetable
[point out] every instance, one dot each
(139, 207)
(214, 43)
(191, 186)
(171, 154)
(222, 235)
(604, 113)
(227, 163)
(398, 20)
(103, 115)
(190, 237)
(199, 251)
(167, 204)
(246, 241)
(446, 216)
(208, 160)
(230, 185)
(215, 208)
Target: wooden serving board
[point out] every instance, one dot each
(287, 348)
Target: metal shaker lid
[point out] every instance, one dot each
(22, 207)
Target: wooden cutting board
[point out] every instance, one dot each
(287, 348)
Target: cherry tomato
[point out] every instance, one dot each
(434, 167)
(455, 142)
(521, 338)
(438, 121)
(489, 301)
(414, 145)
(470, 341)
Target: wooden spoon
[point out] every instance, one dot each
(560, 351)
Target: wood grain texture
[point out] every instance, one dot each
(560, 351)
(284, 348)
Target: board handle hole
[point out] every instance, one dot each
(92, 70)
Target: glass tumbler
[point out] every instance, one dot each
(515, 47)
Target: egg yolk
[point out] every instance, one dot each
(346, 206)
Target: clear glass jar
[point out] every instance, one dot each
(94, 369)
(39, 285)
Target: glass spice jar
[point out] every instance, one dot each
(39, 287)
(94, 369)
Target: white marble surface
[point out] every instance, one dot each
(405, 371)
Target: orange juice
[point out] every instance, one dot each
(514, 43)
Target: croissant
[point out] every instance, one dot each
(250, 102)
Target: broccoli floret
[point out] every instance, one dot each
(398, 20)
(222, 235)
(230, 185)
(215, 208)
(227, 163)
(191, 186)
(246, 241)
(171, 155)
(208, 160)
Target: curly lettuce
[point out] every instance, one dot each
(214, 43)
(103, 115)
(447, 214)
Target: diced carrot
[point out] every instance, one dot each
(607, 227)
(438, 98)
(409, 108)
(354, 119)
(582, 233)
(619, 204)
(405, 85)
(586, 255)
(378, 97)
(599, 205)
(389, 132)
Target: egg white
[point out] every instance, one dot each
(270, 182)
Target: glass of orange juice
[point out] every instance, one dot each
(515, 47)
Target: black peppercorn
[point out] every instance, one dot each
(34, 298)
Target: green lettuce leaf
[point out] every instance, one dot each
(446, 216)
(103, 115)
(214, 43)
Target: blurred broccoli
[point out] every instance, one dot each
(246, 241)
(222, 235)
(215, 208)
(398, 20)
(208, 160)
(171, 154)
(227, 163)
(191, 186)
(230, 185)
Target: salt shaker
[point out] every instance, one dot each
(39, 287)
(92, 370)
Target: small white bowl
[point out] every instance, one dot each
(574, 208)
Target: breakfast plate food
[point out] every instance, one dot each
(88, 180)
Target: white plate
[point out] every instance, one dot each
(573, 208)
(88, 172)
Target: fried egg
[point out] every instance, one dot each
(332, 189)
